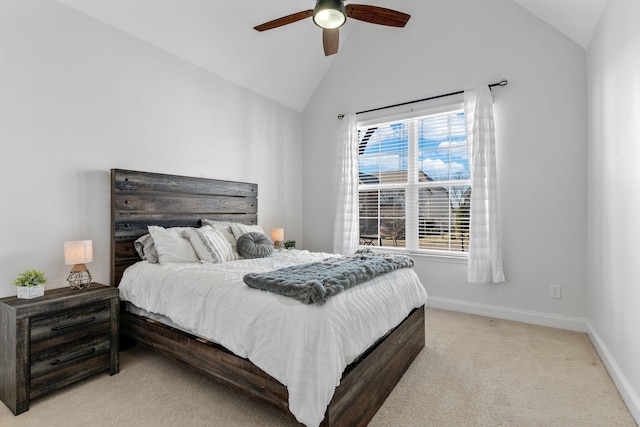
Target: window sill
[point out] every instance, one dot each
(452, 259)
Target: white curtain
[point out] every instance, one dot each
(346, 234)
(485, 255)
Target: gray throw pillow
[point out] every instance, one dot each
(255, 245)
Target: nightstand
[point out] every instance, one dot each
(51, 341)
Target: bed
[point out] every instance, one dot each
(141, 199)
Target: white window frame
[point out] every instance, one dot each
(440, 106)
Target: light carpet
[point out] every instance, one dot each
(473, 371)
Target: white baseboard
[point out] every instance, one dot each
(524, 316)
(629, 395)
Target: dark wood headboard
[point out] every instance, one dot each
(140, 199)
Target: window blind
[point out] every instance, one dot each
(414, 183)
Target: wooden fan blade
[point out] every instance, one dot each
(330, 41)
(377, 15)
(289, 19)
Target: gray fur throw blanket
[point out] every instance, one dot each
(315, 282)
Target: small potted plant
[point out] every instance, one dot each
(30, 284)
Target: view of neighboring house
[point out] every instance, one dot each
(443, 213)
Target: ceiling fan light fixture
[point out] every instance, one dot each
(329, 14)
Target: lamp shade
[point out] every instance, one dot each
(329, 14)
(78, 252)
(277, 234)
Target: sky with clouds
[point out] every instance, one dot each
(442, 147)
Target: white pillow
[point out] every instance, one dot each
(171, 246)
(210, 245)
(240, 229)
(201, 245)
(217, 244)
(224, 227)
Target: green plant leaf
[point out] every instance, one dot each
(30, 278)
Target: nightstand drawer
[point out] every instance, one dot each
(81, 322)
(59, 363)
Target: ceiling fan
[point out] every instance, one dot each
(330, 15)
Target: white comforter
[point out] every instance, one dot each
(305, 347)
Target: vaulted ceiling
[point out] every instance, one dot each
(284, 64)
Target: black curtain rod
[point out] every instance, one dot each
(500, 83)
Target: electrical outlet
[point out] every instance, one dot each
(555, 291)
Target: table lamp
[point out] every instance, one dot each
(277, 235)
(77, 253)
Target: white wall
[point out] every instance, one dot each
(541, 143)
(614, 201)
(78, 98)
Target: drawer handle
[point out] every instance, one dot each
(74, 356)
(72, 324)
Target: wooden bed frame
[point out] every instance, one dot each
(139, 199)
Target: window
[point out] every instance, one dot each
(415, 183)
